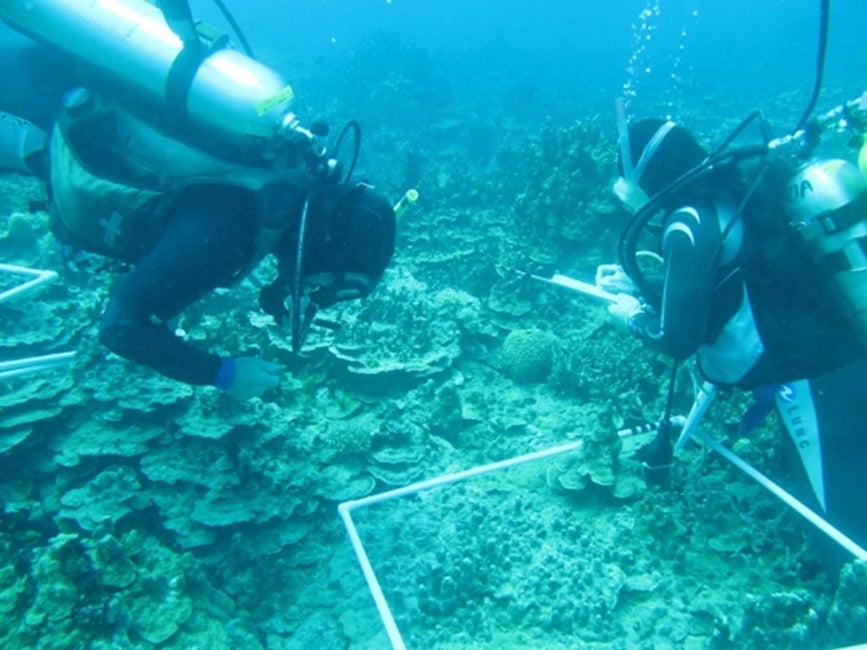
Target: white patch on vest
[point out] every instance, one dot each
(737, 348)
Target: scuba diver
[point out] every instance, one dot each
(764, 283)
(756, 267)
(178, 155)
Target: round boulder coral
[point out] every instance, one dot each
(527, 355)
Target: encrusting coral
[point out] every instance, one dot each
(140, 513)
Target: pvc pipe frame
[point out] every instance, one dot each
(9, 369)
(39, 277)
(834, 533)
(345, 509)
(706, 394)
(19, 367)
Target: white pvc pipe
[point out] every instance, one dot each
(460, 476)
(370, 576)
(19, 367)
(346, 508)
(784, 496)
(39, 277)
(696, 414)
(703, 399)
(580, 286)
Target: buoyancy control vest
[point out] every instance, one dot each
(774, 319)
(113, 177)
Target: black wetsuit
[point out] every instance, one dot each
(208, 238)
(802, 331)
(795, 327)
(203, 239)
(680, 323)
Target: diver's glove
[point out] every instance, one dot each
(613, 279)
(625, 309)
(247, 377)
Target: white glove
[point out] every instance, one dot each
(253, 377)
(624, 309)
(613, 279)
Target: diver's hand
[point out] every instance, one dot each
(252, 378)
(625, 309)
(613, 279)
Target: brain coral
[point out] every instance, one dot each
(527, 355)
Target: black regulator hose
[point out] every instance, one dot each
(245, 44)
(755, 115)
(353, 127)
(628, 242)
(820, 64)
(179, 18)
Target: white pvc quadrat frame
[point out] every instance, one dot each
(703, 398)
(345, 509)
(37, 278)
(689, 425)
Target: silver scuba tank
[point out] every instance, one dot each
(221, 93)
(827, 205)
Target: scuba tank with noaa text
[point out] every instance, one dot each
(827, 205)
(218, 92)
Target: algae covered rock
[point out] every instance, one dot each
(527, 355)
(157, 607)
(56, 591)
(110, 496)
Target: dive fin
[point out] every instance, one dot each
(795, 404)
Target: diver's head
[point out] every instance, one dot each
(348, 242)
(653, 154)
(344, 241)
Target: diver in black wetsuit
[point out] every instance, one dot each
(739, 289)
(189, 222)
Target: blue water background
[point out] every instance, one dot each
(569, 59)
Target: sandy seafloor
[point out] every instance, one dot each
(141, 513)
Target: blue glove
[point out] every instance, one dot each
(247, 377)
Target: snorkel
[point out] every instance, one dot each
(627, 187)
(798, 144)
(624, 183)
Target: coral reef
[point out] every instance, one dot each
(141, 513)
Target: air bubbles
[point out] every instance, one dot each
(667, 72)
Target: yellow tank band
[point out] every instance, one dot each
(285, 95)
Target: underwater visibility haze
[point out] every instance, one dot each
(140, 512)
